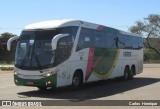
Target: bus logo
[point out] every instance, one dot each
(127, 54)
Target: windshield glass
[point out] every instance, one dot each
(34, 48)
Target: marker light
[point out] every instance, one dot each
(49, 82)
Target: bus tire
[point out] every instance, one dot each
(77, 80)
(132, 72)
(126, 73)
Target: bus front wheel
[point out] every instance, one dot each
(77, 80)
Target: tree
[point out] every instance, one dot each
(7, 56)
(150, 29)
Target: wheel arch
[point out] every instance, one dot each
(80, 71)
(127, 66)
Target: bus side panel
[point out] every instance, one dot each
(78, 61)
(122, 58)
(62, 74)
(104, 63)
(140, 62)
(130, 58)
(119, 67)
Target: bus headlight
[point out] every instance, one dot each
(48, 74)
(15, 73)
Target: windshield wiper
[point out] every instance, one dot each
(37, 61)
(24, 59)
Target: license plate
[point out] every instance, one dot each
(30, 83)
(30, 76)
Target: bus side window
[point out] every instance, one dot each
(99, 39)
(140, 42)
(121, 43)
(110, 40)
(72, 31)
(128, 42)
(64, 48)
(134, 42)
(85, 39)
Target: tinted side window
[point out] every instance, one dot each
(134, 42)
(140, 42)
(72, 31)
(64, 47)
(121, 41)
(110, 40)
(99, 39)
(85, 39)
(128, 42)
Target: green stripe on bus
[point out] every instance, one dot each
(107, 64)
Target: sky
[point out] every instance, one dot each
(120, 14)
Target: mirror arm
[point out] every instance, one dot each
(55, 40)
(10, 41)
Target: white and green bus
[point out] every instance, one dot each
(65, 52)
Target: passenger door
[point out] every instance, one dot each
(63, 52)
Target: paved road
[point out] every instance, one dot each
(151, 65)
(145, 86)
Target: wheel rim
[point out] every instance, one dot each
(76, 81)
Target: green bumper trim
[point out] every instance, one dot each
(37, 82)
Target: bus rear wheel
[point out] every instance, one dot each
(132, 72)
(126, 73)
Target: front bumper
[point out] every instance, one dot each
(43, 82)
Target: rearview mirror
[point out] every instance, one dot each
(10, 41)
(55, 40)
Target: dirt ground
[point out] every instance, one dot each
(5, 72)
(144, 86)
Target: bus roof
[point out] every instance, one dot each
(70, 22)
(53, 24)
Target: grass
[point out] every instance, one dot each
(6, 67)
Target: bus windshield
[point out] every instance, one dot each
(34, 49)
